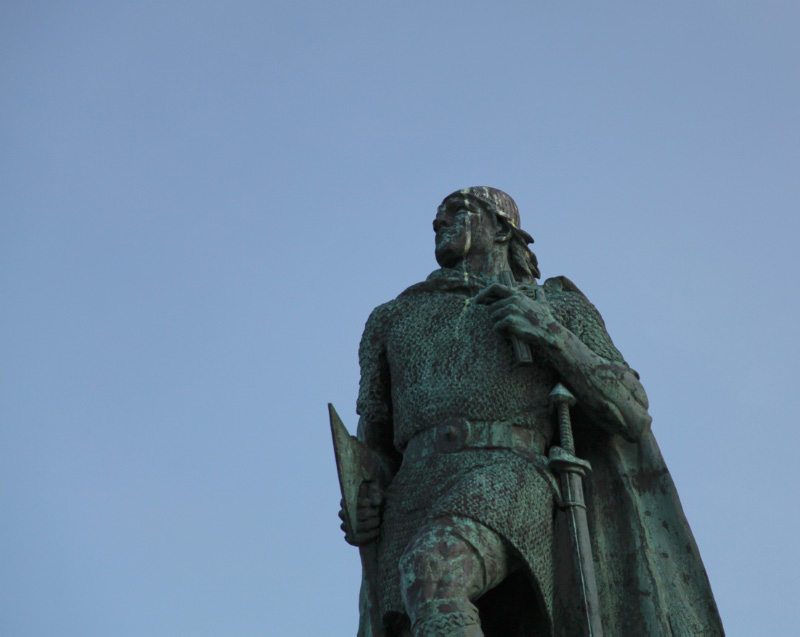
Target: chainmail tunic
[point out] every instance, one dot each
(432, 355)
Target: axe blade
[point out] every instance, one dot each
(355, 463)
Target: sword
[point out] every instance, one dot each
(572, 470)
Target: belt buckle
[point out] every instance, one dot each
(451, 435)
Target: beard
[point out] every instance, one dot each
(449, 253)
(453, 245)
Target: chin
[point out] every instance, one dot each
(447, 258)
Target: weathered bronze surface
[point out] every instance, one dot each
(484, 505)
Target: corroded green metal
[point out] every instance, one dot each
(470, 530)
(357, 465)
(572, 471)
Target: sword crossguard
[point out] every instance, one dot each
(562, 461)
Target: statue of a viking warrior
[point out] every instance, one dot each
(462, 518)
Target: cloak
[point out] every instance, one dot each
(651, 580)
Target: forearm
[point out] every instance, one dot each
(608, 390)
(378, 436)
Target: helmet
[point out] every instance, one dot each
(498, 203)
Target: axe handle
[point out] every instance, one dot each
(522, 350)
(369, 561)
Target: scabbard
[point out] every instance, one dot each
(575, 508)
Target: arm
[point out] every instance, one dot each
(608, 389)
(374, 430)
(374, 406)
(378, 436)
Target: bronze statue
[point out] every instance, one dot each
(466, 489)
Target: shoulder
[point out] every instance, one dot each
(567, 299)
(576, 312)
(384, 316)
(379, 317)
(561, 283)
(412, 296)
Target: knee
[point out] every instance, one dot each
(432, 555)
(437, 563)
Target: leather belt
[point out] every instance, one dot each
(461, 435)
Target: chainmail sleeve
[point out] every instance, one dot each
(374, 403)
(574, 311)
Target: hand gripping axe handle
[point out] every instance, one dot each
(522, 350)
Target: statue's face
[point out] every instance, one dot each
(462, 227)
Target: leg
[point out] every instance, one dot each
(450, 563)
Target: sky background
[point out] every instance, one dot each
(201, 202)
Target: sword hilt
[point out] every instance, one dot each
(563, 399)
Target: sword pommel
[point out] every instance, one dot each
(561, 394)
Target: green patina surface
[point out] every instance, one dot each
(468, 533)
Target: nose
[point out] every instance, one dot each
(440, 224)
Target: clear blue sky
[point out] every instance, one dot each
(201, 202)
